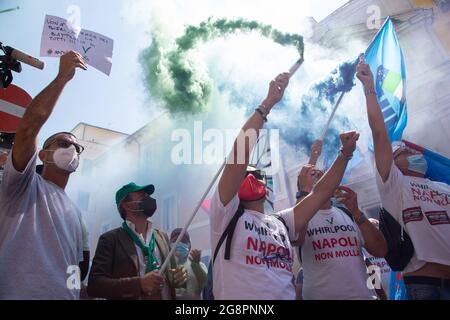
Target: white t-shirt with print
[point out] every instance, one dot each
(333, 263)
(423, 207)
(254, 271)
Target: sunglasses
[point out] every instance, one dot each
(258, 174)
(67, 144)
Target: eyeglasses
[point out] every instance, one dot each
(65, 144)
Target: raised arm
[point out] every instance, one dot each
(327, 185)
(375, 243)
(234, 172)
(41, 108)
(382, 144)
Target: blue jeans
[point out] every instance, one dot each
(417, 291)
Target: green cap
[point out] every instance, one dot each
(132, 187)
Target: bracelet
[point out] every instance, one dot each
(266, 110)
(262, 114)
(342, 155)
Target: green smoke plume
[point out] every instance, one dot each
(173, 77)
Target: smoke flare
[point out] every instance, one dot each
(175, 79)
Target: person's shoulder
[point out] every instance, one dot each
(283, 212)
(111, 234)
(439, 185)
(162, 234)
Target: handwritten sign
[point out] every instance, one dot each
(58, 38)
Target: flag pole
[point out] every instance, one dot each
(188, 223)
(373, 40)
(325, 129)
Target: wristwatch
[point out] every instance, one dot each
(301, 194)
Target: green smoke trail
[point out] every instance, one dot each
(176, 79)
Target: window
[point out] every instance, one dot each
(169, 219)
(83, 200)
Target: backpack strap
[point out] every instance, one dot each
(347, 212)
(228, 234)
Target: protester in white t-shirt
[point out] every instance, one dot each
(41, 235)
(420, 205)
(261, 257)
(332, 243)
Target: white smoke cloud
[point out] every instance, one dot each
(241, 67)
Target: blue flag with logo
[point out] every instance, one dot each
(386, 61)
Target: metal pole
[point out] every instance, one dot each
(325, 129)
(183, 232)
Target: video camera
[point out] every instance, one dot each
(10, 61)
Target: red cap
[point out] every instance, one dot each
(251, 189)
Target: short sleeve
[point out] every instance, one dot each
(221, 215)
(391, 191)
(15, 182)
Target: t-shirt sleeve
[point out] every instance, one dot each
(287, 217)
(15, 182)
(221, 215)
(391, 191)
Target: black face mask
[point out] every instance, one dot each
(147, 206)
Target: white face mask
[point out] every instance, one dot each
(66, 159)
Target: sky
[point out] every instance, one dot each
(120, 102)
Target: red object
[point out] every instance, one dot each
(206, 205)
(251, 189)
(13, 103)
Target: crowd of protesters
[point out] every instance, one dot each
(42, 233)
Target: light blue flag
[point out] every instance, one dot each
(386, 61)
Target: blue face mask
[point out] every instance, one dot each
(417, 163)
(183, 250)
